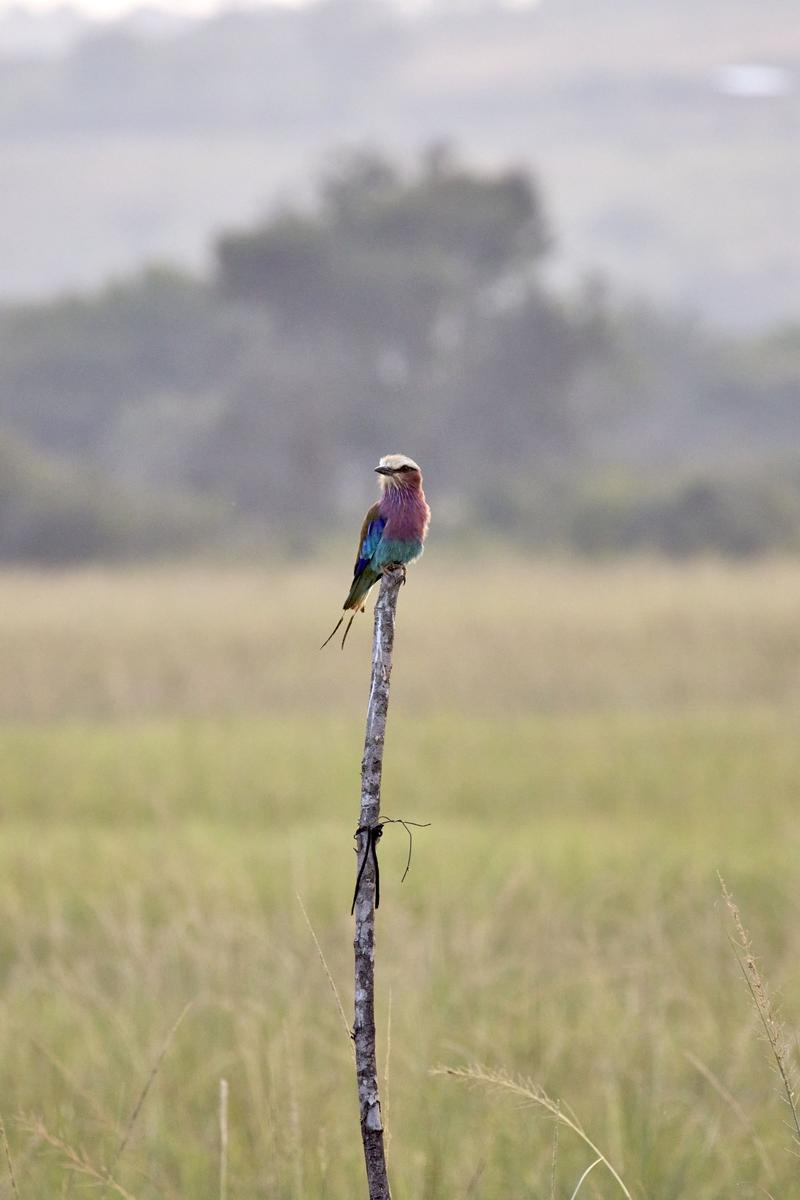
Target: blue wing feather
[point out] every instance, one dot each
(371, 536)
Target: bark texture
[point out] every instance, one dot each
(364, 942)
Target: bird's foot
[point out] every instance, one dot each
(401, 567)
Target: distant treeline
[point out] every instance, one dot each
(397, 311)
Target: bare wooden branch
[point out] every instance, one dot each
(364, 941)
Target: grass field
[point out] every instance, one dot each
(590, 744)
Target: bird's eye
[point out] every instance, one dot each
(405, 467)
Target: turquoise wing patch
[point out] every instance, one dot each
(369, 545)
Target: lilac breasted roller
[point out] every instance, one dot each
(393, 533)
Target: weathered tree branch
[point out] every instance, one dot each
(364, 942)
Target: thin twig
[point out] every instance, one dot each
(76, 1160)
(327, 970)
(223, 1139)
(101, 1116)
(475, 1179)
(148, 1084)
(293, 1107)
(386, 1093)
(402, 821)
(9, 1160)
(719, 1087)
(554, 1160)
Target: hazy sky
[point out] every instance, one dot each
(113, 8)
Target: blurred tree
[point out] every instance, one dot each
(384, 256)
(54, 511)
(405, 309)
(70, 368)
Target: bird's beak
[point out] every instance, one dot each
(385, 470)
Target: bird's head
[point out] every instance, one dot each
(398, 470)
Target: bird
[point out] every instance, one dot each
(393, 533)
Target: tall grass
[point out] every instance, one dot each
(559, 922)
(545, 637)
(534, 1096)
(783, 1052)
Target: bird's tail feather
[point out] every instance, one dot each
(333, 631)
(347, 630)
(362, 585)
(337, 625)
